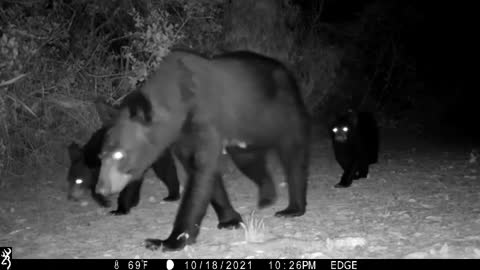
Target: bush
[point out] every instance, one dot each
(62, 55)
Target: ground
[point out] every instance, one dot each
(422, 200)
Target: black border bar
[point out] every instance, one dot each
(244, 264)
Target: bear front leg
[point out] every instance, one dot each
(197, 195)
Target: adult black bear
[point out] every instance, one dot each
(85, 169)
(243, 102)
(355, 142)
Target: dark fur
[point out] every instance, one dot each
(86, 167)
(200, 106)
(85, 164)
(357, 148)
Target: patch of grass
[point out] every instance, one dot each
(254, 229)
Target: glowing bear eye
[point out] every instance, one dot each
(345, 129)
(335, 130)
(78, 181)
(118, 155)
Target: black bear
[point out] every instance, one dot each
(85, 166)
(355, 142)
(241, 102)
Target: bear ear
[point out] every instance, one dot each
(139, 107)
(75, 152)
(105, 111)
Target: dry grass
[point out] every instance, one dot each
(44, 112)
(254, 229)
(38, 129)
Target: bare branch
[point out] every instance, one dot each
(5, 83)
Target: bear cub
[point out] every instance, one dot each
(355, 140)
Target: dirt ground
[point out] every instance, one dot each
(421, 201)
